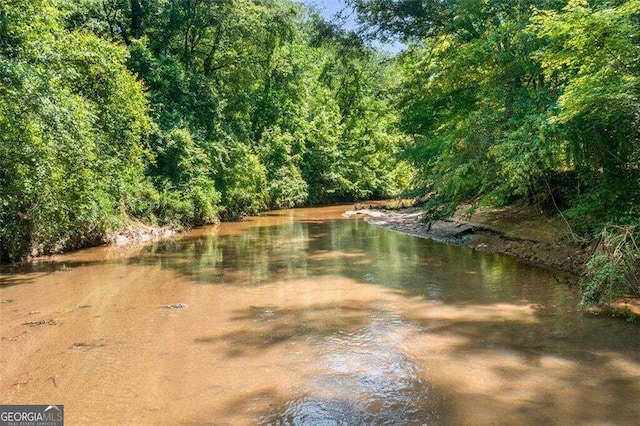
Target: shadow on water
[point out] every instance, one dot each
(416, 407)
(479, 307)
(266, 326)
(365, 374)
(28, 272)
(457, 277)
(361, 373)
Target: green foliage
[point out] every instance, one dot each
(535, 100)
(281, 155)
(268, 97)
(321, 164)
(477, 103)
(437, 208)
(243, 183)
(189, 196)
(614, 269)
(72, 128)
(353, 139)
(593, 53)
(499, 97)
(179, 112)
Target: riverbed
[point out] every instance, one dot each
(305, 317)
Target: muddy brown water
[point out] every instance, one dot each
(304, 318)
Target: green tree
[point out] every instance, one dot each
(592, 52)
(73, 123)
(475, 100)
(177, 111)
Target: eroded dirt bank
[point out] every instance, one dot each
(522, 232)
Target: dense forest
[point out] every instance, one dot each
(185, 112)
(182, 112)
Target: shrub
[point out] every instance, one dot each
(614, 269)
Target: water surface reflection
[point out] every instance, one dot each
(301, 318)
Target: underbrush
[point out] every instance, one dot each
(614, 268)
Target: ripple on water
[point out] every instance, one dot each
(364, 378)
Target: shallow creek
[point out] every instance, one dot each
(303, 317)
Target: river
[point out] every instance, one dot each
(302, 317)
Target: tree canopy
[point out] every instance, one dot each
(182, 111)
